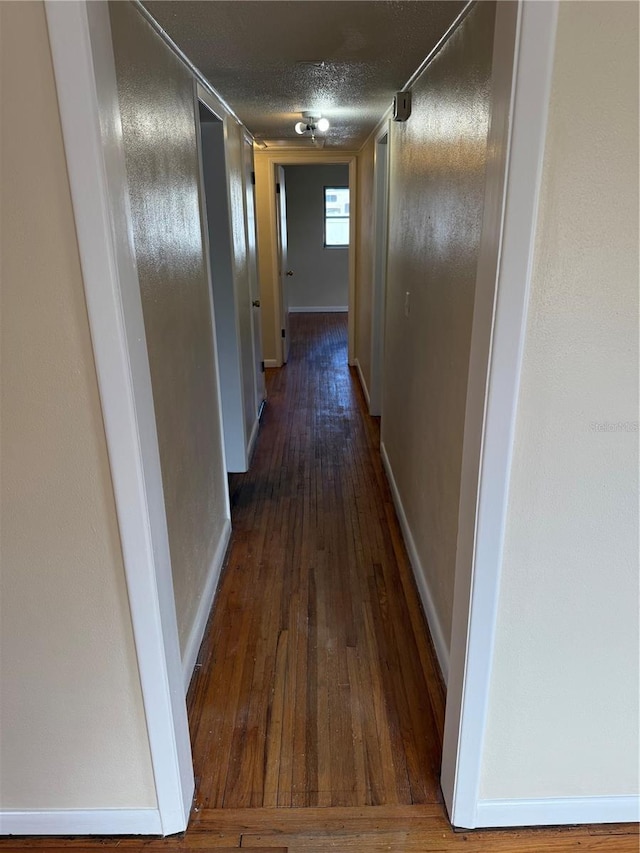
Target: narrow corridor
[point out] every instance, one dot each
(316, 684)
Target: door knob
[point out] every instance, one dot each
(256, 303)
(289, 272)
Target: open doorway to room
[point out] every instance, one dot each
(214, 183)
(317, 200)
(313, 241)
(234, 283)
(307, 263)
(379, 291)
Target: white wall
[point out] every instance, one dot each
(437, 180)
(73, 732)
(159, 132)
(320, 275)
(563, 712)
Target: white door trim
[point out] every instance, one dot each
(521, 81)
(81, 822)
(554, 811)
(250, 225)
(81, 46)
(319, 158)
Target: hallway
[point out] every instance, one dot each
(316, 684)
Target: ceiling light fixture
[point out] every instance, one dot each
(310, 124)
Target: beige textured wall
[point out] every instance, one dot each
(73, 729)
(437, 170)
(158, 122)
(364, 259)
(563, 714)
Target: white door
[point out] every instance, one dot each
(254, 284)
(285, 272)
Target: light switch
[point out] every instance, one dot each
(407, 308)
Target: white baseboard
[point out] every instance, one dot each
(272, 362)
(363, 384)
(319, 309)
(204, 608)
(252, 438)
(557, 810)
(437, 634)
(81, 822)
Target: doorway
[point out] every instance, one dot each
(317, 200)
(381, 230)
(271, 190)
(252, 261)
(157, 666)
(235, 297)
(313, 241)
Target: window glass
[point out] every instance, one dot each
(336, 216)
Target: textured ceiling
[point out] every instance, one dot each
(271, 60)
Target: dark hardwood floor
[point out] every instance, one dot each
(316, 708)
(316, 685)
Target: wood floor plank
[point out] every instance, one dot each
(323, 738)
(425, 842)
(363, 794)
(307, 819)
(394, 779)
(275, 724)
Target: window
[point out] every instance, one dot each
(336, 217)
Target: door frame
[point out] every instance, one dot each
(249, 185)
(282, 242)
(379, 284)
(238, 459)
(523, 55)
(310, 158)
(200, 95)
(85, 78)
(84, 67)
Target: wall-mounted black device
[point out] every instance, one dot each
(402, 106)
